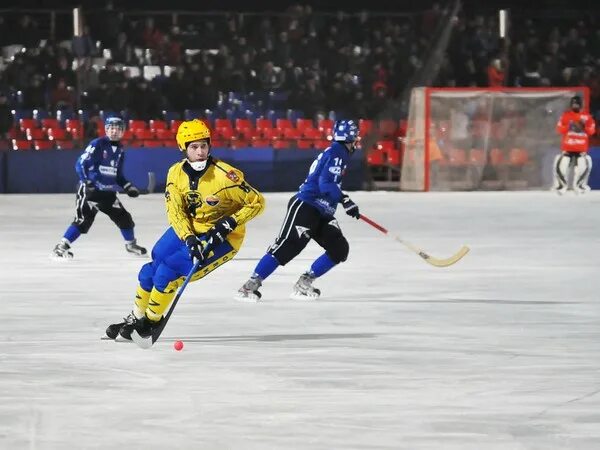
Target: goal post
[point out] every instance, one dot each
(483, 138)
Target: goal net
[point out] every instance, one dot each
(478, 138)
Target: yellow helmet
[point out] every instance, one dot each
(190, 131)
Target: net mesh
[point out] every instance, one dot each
(482, 139)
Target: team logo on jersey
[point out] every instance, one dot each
(302, 231)
(212, 200)
(193, 202)
(233, 176)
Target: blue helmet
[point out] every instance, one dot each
(115, 122)
(345, 131)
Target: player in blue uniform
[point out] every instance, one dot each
(310, 215)
(100, 171)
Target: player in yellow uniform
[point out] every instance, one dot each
(208, 203)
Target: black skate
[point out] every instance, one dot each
(249, 291)
(133, 247)
(304, 290)
(142, 331)
(62, 250)
(122, 330)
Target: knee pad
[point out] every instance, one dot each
(338, 249)
(164, 277)
(145, 276)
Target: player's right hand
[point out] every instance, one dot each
(194, 246)
(90, 187)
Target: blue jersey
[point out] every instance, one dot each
(323, 185)
(102, 163)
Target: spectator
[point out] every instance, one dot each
(84, 45)
(122, 52)
(87, 75)
(271, 77)
(35, 95)
(62, 96)
(495, 73)
(145, 102)
(151, 36)
(64, 72)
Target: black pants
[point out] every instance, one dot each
(105, 201)
(302, 223)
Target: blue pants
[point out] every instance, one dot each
(171, 261)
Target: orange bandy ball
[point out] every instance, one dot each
(178, 345)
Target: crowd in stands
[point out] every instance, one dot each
(317, 65)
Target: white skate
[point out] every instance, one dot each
(304, 290)
(249, 291)
(61, 251)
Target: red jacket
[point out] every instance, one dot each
(575, 128)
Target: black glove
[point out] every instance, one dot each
(350, 207)
(217, 234)
(194, 246)
(131, 190)
(90, 187)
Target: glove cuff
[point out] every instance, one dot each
(229, 223)
(127, 185)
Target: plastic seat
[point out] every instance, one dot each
(263, 124)
(152, 143)
(221, 124)
(158, 125)
(518, 157)
(43, 145)
(304, 144)
(393, 156)
(20, 144)
(175, 124)
(386, 145)
(165, 134)
(365, 126)
(219, 143)
(387, 127)
(258, 142)
(15, 133)
(223, 133)
(50, 123)
(137, 124)
(477, 156)
(291, 133)
(28, 123)
(311, 133)
(64, 145)
(283, 124)
(142, 134)
(57, 134)
(376, 157)
(496, 157)
(325, 126)
(135, 144)
(303, 124)
(35, 134)
(279, 144)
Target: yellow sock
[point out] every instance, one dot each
(142, 297)
(159, 302)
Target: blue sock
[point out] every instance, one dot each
(127, 234)
(72, 233)
(322, 265)
(266, 266)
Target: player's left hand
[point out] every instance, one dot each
(350, 207)
(131, 190)
(217, 234)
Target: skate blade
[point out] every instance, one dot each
(57, 258)
(247, 299)
(303, 297)
(120, 338)
(141, 342)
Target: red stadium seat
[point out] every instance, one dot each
(28, 123)
(477, 156)
(279, 144)
(165, 134)
(264, 124)
(304, 144)
(152, 143)
(291, 133)
(137, 124)
(135, 144)
(43, 145)
(496, 157)
(15, 133)
(365, 126)
(35, 134)
(386, 145)
(323, 144)
(19, 144)
(142, 134)
(303, 124)
(258, 142)
(283, 124)
(393, 156)
(402, 127)
(158, 125)
(376, 157)
(169, 143)
(223, 133)
(127, 135)
(219, 142)
(64, 145)
(57, 134)
(311, 133)
(75, 127)
(175, 125)
(223, 124)
(387, 128)
(518, 157)
(325, 126)
(50, 124)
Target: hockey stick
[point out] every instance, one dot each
(150, 340)
(437, 262)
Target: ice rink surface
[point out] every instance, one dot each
(501, 351)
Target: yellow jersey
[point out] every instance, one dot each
(196, 201)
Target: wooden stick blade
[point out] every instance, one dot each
(444, 262)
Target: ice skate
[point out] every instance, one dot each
(62, 251)
(249, 291)
(582, 189)
(133, 247)
(122, 331)
(142, 331)
(304, 290)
